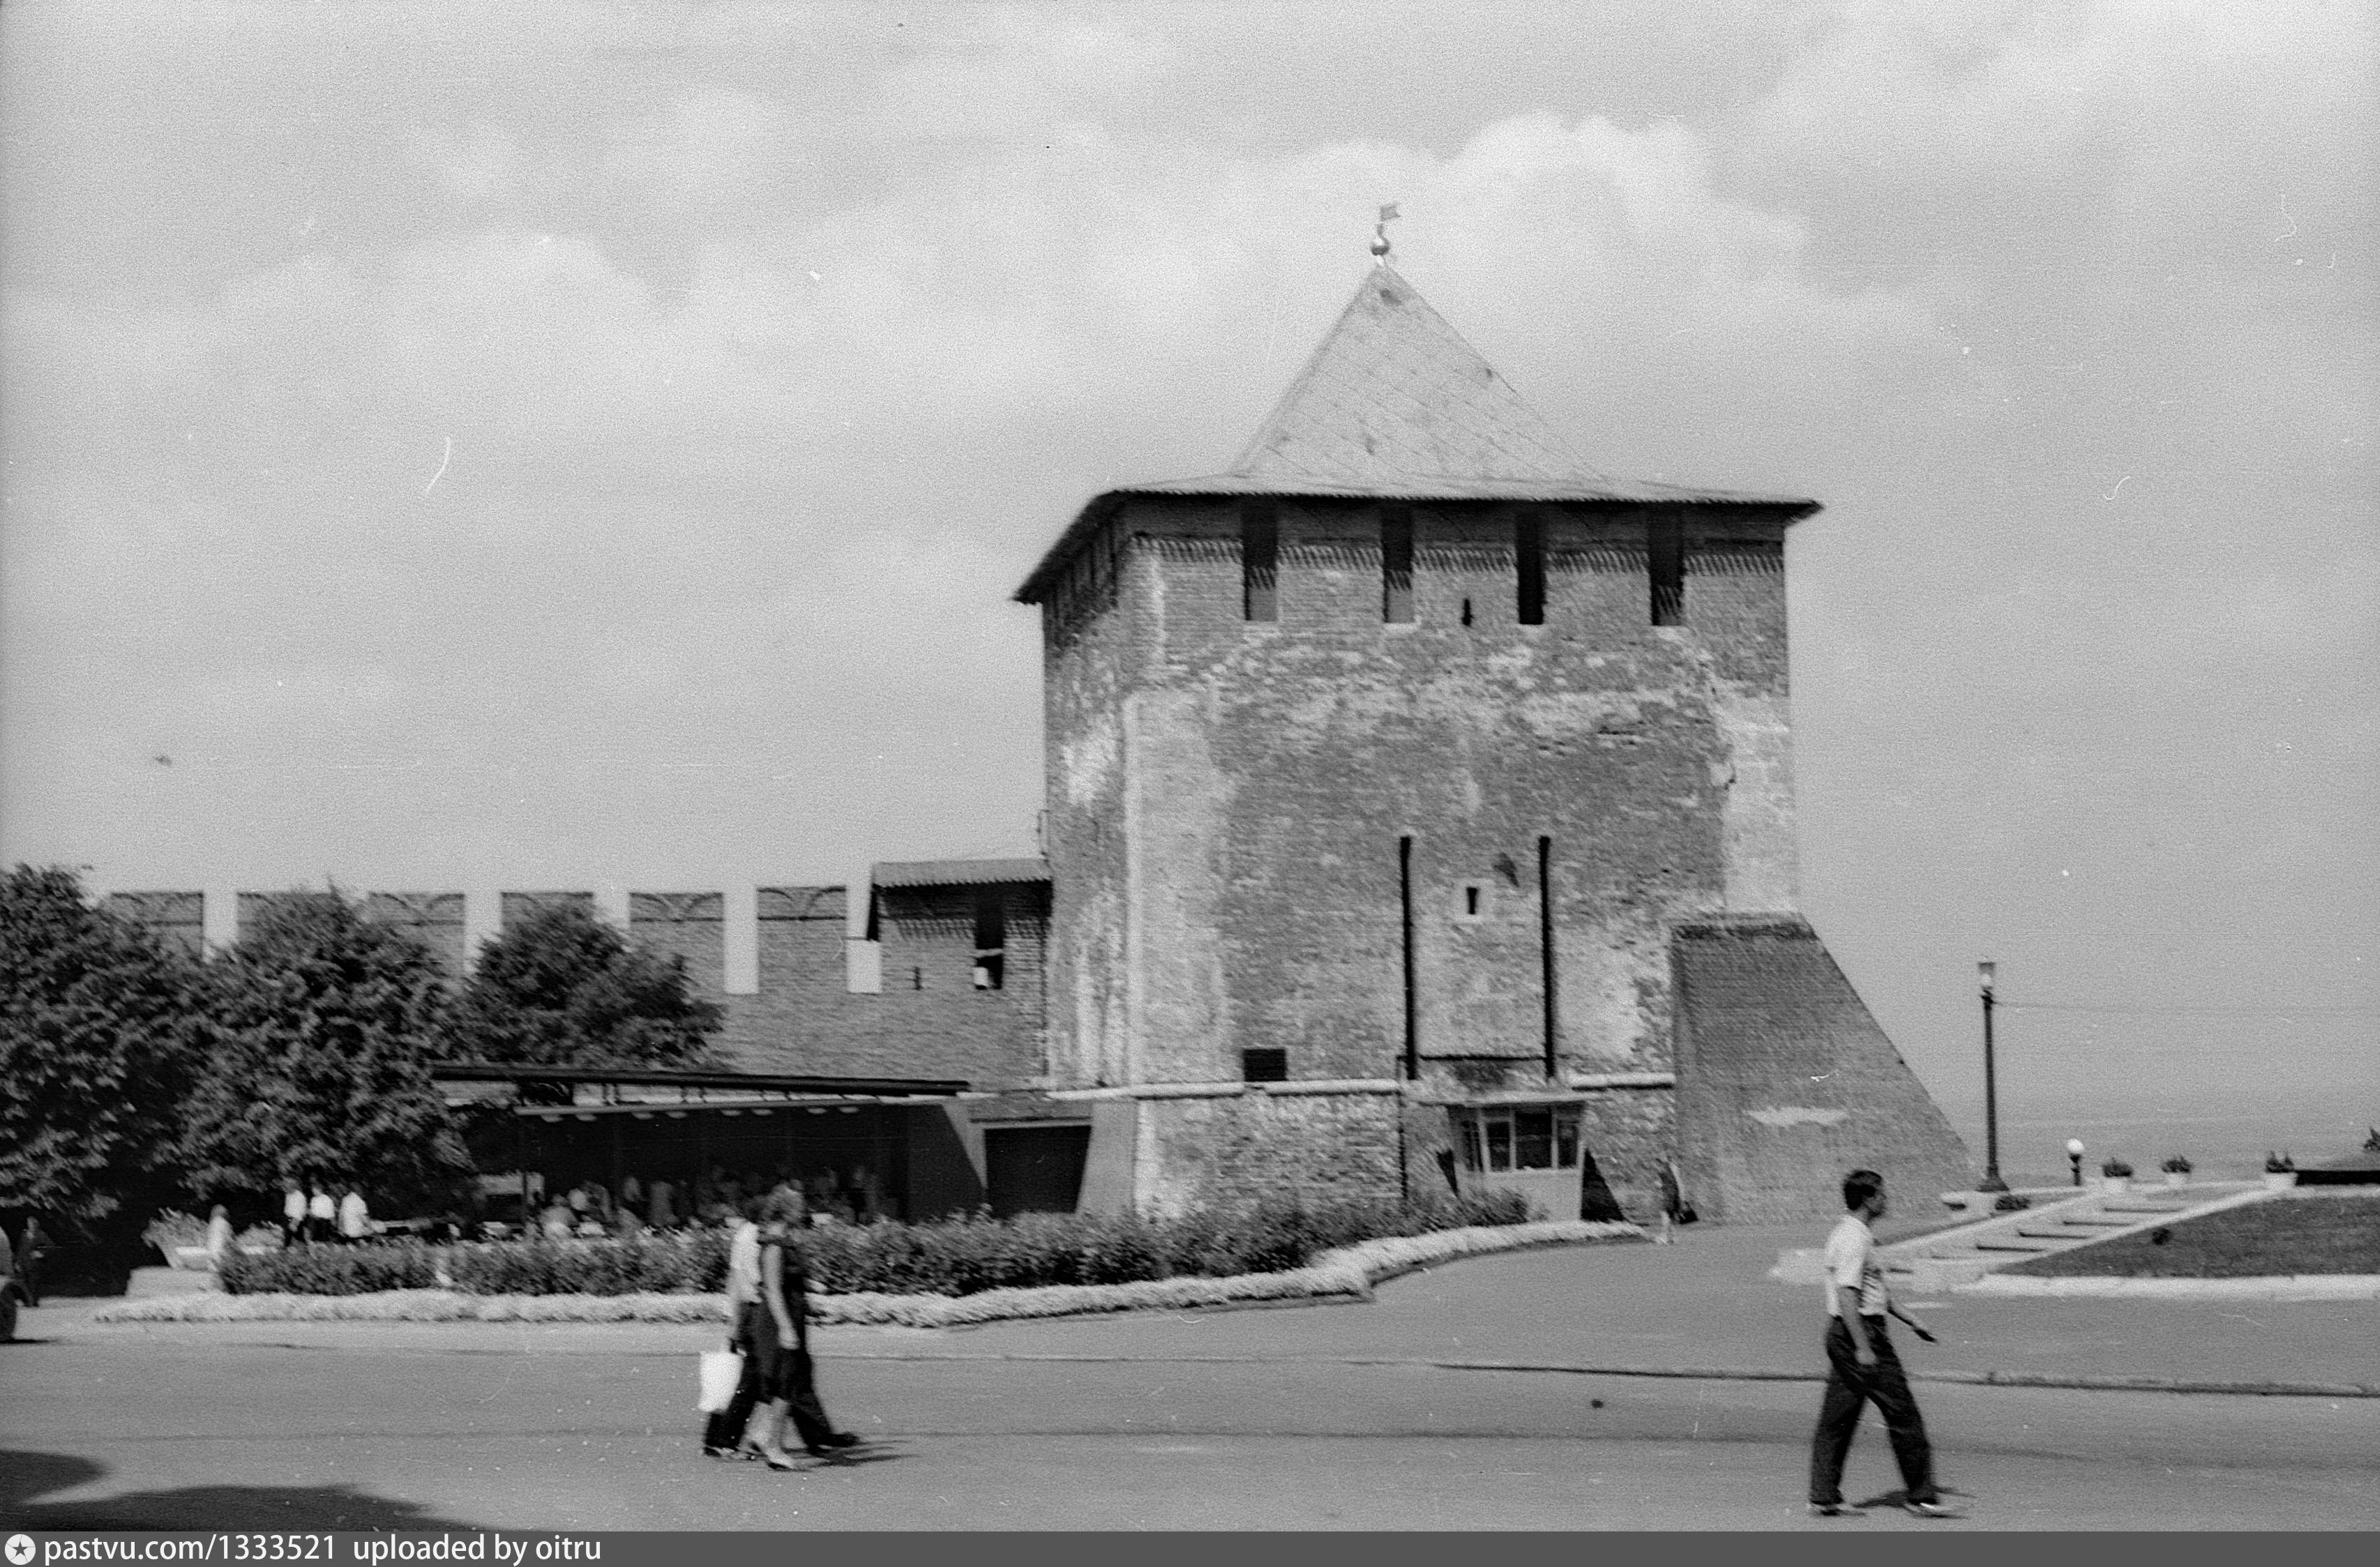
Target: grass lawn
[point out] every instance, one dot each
(2305, 1234)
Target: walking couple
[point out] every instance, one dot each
(768, 1291)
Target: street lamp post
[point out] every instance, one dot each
(2075, 1158)
(1991, 1181)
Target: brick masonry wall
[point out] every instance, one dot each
(804, 1019)
(1261, 775)
(1239, 1150)
(514, 907)
(930, 1009)
(929, 1021)
(178, 917)
(1095, 643)
(1785, 1084)
(1631, 1132)
(434, 919)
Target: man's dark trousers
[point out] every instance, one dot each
(1850, 1386)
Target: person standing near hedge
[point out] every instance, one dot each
(354, 1218)
(31, 1248)
(321, 1214)
(293, 1212)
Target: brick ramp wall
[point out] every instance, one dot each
(1785, 1083)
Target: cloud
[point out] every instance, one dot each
(769, 365)
(751, 501)
(1009, 73)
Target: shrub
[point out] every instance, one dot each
(332, 1270)
(2176, 1165)
(958, 1256)
(693, 1262)
(173, 1228)
(2279, 1164)
(1349, 1273)
(966, 1256)
(2114, 1168)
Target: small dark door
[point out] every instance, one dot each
(1034, 1169)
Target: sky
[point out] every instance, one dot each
(458, 445)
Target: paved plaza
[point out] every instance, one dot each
(1486, 1394)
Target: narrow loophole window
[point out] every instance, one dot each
(1466, 612)
(1260, 561)
(1665, 556)
(1264, 1067)
(1396, 565)
(990, 938)
(1529, 558)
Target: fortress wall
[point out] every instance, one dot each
(803, 1017)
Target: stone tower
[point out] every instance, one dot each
(1420, 811)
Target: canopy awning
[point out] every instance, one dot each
(550, 1089)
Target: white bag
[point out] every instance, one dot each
(722, 1369)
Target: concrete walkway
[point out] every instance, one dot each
(1704, 1306)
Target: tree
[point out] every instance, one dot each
(98, 1023)
(322, 1028)
(560, 987)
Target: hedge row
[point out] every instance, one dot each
(1346, 1271)
(955, 1258)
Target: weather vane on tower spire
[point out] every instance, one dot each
(1380, 235)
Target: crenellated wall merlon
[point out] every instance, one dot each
(453, 924)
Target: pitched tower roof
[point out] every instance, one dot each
(1393, 404)
(1393, 398)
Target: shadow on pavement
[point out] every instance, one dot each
(866, 1452)
(26, 1475)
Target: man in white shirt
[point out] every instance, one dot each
(293, 1213)
(355, 1219)
(1862, 1365)
(321, 1214)
(723, 1435)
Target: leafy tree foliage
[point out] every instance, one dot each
(97, 1027)
(560, 987)
(323, 1028)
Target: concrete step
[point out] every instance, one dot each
(2060, 1220)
